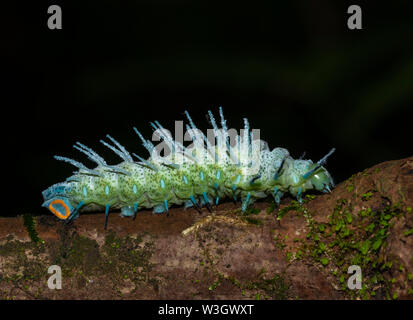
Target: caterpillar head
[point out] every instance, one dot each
(303, 175)
(320, 179)
(318, 176)
(56, 200)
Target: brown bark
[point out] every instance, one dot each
(226, 255)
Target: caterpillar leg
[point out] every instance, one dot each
(206, 201)
(127, 211)
(234, 188)
(75, 213)
(135, 210)
(277, 195)
(246, 203)
(166, 207)
(160, 208)
(326, 188)
(190, 204)
(195, 203)
(299, 195)
(106, 215)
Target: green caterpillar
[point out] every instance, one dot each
(195, 176)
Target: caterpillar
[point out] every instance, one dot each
(202, 174)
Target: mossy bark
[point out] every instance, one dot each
(292, 252)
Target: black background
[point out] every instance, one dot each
(293, 68)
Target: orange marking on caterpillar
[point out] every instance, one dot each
(56, 212)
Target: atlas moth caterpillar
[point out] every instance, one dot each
(203, 176)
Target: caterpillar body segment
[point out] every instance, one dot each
(193, 177)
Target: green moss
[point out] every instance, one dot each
(214, 285)
(127, 255)
(30, 225)
(271, 207)
(367, 196)
(408, 232)
(289, 256)
(377, 244)
(364, 247)
(309, 197)
(294, 205)
(276, 287)
(251, 210)
(365, 173)
(23, 269)
(80, 258)
(353, 239)
(279, 242)
(83, 254)
(253, 220)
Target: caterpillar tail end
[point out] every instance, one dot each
(58, 202)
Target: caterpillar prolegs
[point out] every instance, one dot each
(211, 169)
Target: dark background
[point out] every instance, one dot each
(293, 68)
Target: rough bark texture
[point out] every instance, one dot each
(292, 252)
